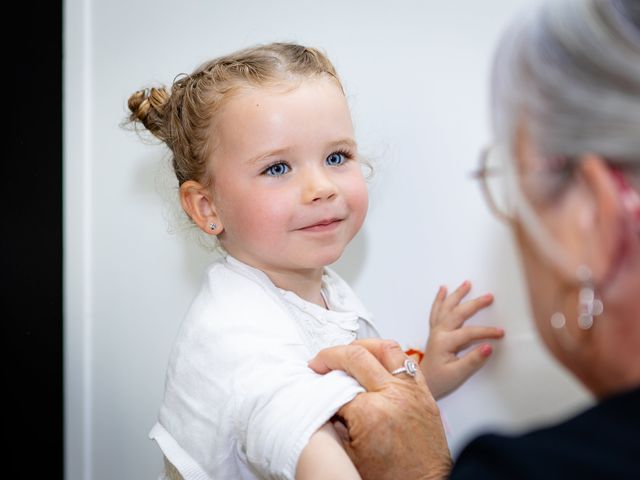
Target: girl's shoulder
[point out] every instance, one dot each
(239, 306)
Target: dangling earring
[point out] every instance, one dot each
(213, 226)
(558, 322)
(588, 305)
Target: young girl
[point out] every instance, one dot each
(266, 158)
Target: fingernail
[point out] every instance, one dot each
(485, 350)
(489, 296)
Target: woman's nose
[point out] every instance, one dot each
(318, 186)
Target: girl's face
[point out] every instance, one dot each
(288, 189)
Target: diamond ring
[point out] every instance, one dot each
(409, 367)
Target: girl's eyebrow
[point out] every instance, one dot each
(348, 141)
(267, 154)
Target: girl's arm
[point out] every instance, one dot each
(325, 458)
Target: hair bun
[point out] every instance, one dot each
(147, 107)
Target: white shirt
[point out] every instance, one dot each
(240, 401)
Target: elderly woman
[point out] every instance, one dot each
(564, 171)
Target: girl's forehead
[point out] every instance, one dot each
(305, 116)
(288, 85)
(308, 100)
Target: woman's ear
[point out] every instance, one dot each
(602, 226)
(197, 201)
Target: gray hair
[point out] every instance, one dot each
(570, 71)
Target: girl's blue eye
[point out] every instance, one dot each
(277, 169)
(335, 159)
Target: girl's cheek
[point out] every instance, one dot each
(361, 195)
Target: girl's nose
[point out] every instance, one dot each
(318, 186)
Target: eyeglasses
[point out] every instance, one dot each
(501, 184)
(490, 173)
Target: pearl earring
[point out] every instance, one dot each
(588, 305)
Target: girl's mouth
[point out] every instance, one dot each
(323, 225)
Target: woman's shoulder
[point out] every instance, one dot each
(600, 442)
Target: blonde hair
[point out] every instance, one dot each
(183, 118)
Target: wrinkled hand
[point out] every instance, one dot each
(394, 429)
(443, 369)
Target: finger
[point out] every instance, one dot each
(470, 363)
(349, 412)
(463, 337)
(391, 355)
(467, 309)
(341, 429)
(437, 304)
(388, 352)
(355, 360)
(457, 295)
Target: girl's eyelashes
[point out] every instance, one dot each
(276, 169)
(336, 159)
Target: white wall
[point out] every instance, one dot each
(416, 73)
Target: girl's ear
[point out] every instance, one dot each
(197, 201)
(603, 226)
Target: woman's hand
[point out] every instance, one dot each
(443, 369)
(394, 429)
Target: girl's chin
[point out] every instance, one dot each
(319, 261)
